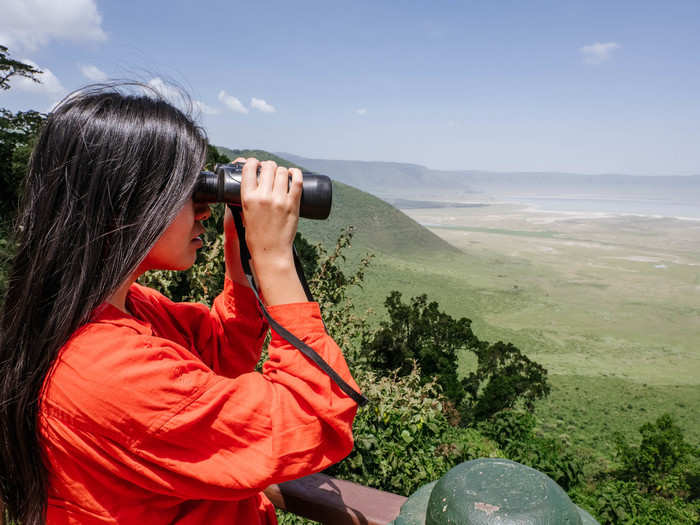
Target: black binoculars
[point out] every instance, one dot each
(224, 185)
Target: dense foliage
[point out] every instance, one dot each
(405, 439)
(214, 157)
(656, 463)
(504, 378)
(18, 131)
(514, 432)
(419, 331)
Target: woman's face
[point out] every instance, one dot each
(177, 248)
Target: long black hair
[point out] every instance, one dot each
(111, 169)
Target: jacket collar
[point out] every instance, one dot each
(110, 314)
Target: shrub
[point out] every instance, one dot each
(330, 282)
(509, 427)
(657, 463)
(615, 502)
(514, 433)
(403, 438)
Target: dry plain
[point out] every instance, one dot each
(610, 304)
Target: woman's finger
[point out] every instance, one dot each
(296, 184)
(281, 181)
(249, 179)
(266, 178)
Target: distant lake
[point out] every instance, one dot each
(647, 207)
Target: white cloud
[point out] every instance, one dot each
(49, 83)
(204, 108)
(361, 111)
(261, 105)
(598, 52)
(93, 73)
(167, 91)
(178, 97)
(29, 24)
(232, 102)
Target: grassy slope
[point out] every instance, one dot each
(585, 406)
(380, 228)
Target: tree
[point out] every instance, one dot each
(214, 157)
(308, 255)
(504, 377)
(10, 67)
(420, 331)
(17, 134)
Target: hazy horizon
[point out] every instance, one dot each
(485, 171)
(594, 195)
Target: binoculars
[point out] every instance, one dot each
(224, 185)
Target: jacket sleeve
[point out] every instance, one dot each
(199, 435)
(235, 310)
(228, 337)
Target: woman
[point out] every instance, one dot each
(118, 405)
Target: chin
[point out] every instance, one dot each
(185, 266)
(181, 265)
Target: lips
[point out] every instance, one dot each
(198, 235)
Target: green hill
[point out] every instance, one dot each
(379, 227)
(257, 153)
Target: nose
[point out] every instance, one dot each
(201, 211)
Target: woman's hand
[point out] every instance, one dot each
(271, 213)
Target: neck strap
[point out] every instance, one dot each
(282, 331)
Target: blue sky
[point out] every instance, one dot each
(588, 87)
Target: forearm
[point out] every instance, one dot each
(278, 281)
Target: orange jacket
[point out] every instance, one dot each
(160, 418)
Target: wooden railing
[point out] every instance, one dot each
(333, 501)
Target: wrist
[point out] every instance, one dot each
(273, 263)
(278, 281)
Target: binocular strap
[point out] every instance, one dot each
(281, 330)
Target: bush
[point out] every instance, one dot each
(509, 427)
(403, 438)
(622, 502)
(656, 463)
(330, 282)
(514, 433)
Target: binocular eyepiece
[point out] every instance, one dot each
(224, 185)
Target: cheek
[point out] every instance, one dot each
(173, 251)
